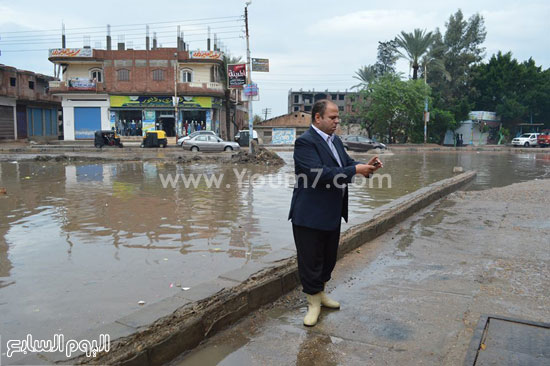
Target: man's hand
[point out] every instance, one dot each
(367, 169)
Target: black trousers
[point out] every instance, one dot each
(316, 251)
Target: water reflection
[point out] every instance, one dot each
(81, 244)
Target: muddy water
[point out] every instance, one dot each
(82, 244)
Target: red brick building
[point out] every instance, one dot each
(132, 91)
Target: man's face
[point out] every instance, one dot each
(329, 121)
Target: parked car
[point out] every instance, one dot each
(544, 138)
(242, 137)
(526, 140)
(205, 142)
(361, 143)
(196, 133)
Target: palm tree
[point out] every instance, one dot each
(227, 60)
(414, 45)
(366, 75)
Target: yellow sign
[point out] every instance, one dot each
(160, 101)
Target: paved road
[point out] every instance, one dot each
(414, 295)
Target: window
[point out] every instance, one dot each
(296, 108)
(341, 108)
(307, 108)
(31, 84)
(97, 75)
(341, 97)
(296, 98)
(158, 75)
(201, 138)
(186, 75)
(123, 75)
(12, 81)
(333, 97)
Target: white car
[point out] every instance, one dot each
(196, 133)
(527, 139)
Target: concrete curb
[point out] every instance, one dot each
(159, 332)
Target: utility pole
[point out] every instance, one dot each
(266, 111)
(426, 113)
(249, 81)
(176, 101)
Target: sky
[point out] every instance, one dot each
(310, 44)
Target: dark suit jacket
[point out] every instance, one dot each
(316, 202)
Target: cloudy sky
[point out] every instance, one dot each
(310, 44)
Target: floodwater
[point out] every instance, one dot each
(82, 244)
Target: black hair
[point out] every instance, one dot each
(319, 107)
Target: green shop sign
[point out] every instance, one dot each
(162, 101)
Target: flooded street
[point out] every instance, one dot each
(82, 244)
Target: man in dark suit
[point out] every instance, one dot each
(319, 201)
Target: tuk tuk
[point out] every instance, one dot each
(154, 139)
(106, 137)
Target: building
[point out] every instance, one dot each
(481, 129)
(283, 130)
(27, 110)
(132, 90)
(302, 101)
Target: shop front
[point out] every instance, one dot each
(134, 115)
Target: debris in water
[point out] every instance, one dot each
(141, 302)
(171, 285)
(3, 190)
(185, 288)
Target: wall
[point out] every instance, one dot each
(80, 70)
(72, 101)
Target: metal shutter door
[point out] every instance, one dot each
(87, 120)
(6, 123)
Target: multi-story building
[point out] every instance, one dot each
(26, 108)
(302, 101)
(132, 90)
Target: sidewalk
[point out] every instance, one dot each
(414, 295)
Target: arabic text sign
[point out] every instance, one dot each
(236, 75)
(70, 52)
(260, 64)
(209, 55)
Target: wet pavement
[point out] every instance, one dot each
(414, 295)
(82, 243)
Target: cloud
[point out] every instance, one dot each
(378, 24)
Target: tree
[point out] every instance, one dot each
(518, 92)
(366, 75)
(415, 45)
(386, 58)
(227, 60)
(395, 107)
(459, 50)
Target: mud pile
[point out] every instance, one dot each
(262, 156)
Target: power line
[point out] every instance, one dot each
(138, 45)
(45, 37)
(125, 25)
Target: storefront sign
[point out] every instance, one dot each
(70, 52)
(260, 64)
(209, 120)
(81, 84)
(206, 55)
(250, 90)
(236, 75)
(119, 101)
(148, 121)
(112, 119)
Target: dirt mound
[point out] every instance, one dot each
(262, 156)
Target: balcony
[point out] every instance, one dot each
(208, 88)
(78, 85)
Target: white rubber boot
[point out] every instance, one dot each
(327, 302)
(313, 309)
